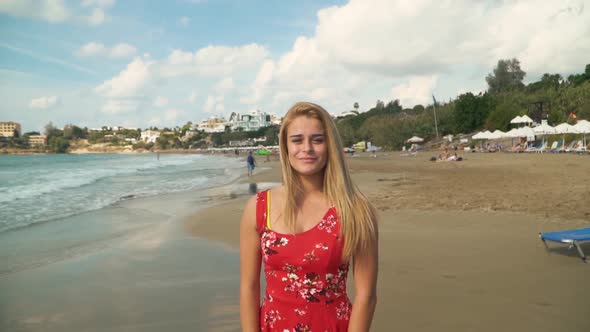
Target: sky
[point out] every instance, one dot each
(163, 63)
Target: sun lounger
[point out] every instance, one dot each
(555, 148)
(571, 237)
(573, 146)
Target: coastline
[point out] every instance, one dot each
(127, 266)
(458, 240)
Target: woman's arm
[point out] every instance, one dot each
(249, 269)
(365, 271)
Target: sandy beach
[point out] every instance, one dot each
(459, 249)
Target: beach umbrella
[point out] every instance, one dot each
(583, 127)
(512, 133)
(415, 139)
(526, 132)
(516, 120)
(565, 128)
(497, 134)
(544, 129)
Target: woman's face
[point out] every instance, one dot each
(306, 145)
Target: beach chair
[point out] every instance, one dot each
(533, 148)
(573, 145)
(571, 237)
(581, 149)
(556, 147)
(543, 147)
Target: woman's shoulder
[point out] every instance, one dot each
(278, 191)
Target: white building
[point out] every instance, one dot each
(212, 125)
(275, 120)
(150, 136)
(37, 140)
(251, 121)
(7, 129)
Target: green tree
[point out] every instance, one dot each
(74, 132)
(506, 76)
(272, 135)
(58, 144)
(347, 133)
(470, 112)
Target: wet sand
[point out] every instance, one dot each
(459, 249)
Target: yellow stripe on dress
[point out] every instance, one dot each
(268, 209)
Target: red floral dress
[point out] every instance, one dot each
(305, 276)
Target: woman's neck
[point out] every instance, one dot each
(312, 184)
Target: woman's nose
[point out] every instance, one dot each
(307, 146)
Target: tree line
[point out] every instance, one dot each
(389, 125)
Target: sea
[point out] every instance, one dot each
(96, 242)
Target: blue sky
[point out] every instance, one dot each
(142, 63)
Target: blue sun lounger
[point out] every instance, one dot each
(572, 237)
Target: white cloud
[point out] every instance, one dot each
(193, 97)
(213, 60)
(171, 115)
(91, 49)
(225, 85)
(418, 90)
(44, 102)
(214, 104)
(160, 101)
(117, 106)
(155, 121)
(412, 47)
(130, 82)
(264, 76)
(53, 11)
(184, 21)
(126, 91)
(121, 50)
(57, 11)
(97, 17)
(98, 3)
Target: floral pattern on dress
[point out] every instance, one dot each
(305, 277)
(328, 223)
(271, 242)
(271, 317)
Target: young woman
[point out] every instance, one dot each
(307, 232)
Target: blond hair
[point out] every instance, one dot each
(357, 215)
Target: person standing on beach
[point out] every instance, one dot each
(307, 232)
(251, 162)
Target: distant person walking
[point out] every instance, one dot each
(251, 163)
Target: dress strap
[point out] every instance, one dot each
(262, 204)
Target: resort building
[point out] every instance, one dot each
(251, 121)
(7, 129)
(40, 140)
(212, 125)
(150, 136)
(275, 120)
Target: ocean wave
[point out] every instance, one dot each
(83, 190)
(50, 181)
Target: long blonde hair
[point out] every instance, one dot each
(357, 215)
